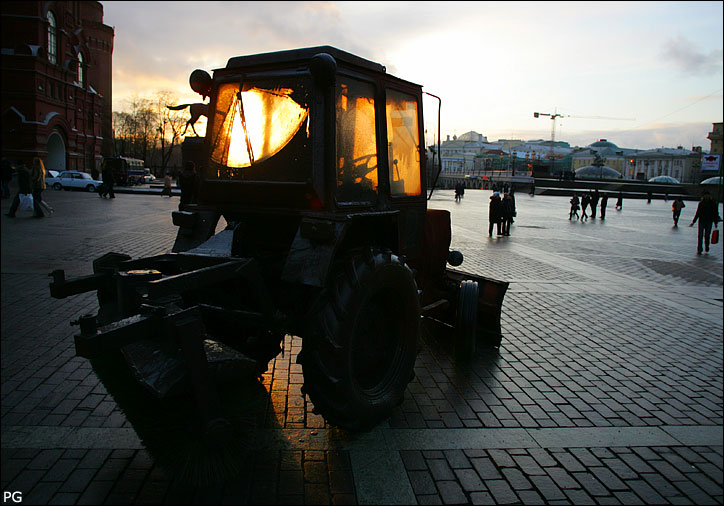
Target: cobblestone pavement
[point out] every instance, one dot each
(607, 388)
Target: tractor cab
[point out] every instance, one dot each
(312, 132)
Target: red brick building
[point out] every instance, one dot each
(56, 67)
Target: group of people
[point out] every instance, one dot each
(30, 182)
(501, 213)
(591, 200)
(707, 213)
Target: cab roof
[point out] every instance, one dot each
(303, 56)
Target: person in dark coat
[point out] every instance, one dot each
(107, 175)
(495, 214)
(594, 203)
(574, 207)
(604, 203)
(508, 210)
(619, 202)
(585, 200)
(24, 188)
(188, 180)
(707, 213)
(676, 208)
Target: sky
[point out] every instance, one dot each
(641, 74)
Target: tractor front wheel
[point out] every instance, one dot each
(359, 355)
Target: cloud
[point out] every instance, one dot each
(689, 59)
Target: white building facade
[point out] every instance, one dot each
(681, 164)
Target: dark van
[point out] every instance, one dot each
(126, 171)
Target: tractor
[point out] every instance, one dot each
(315, 160)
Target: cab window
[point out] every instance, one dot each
(403, 143)
(356, 141)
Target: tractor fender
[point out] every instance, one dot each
(312, 251)
(319, 240)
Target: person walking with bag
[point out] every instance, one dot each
(37, 180)
(25, 187)
(707, 213)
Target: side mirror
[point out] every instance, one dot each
(455, 258)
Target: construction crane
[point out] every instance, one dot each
(553, 126)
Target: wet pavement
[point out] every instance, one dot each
(607, 388)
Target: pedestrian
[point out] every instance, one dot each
(676, 207)
(37, 180)
(188, 182)
(532, 190)
(648, 195)
(604, 203)
(619, 202)
(495, 214)
(508, 209)
(574, 207)
(594, 203)
(167, 184)
(585, 201)
(457, 192)
(107, 175)
(25, 187)
(94, 173)
(707, 213)
(512, 198)
(6, 175)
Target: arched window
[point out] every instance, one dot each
(52, 38)
(81, 71)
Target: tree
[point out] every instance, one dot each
(170, 125)
(148, 129)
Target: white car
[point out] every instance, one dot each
(73, 180)
(148, 177)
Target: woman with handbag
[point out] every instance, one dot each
(707, 213)
(37, 179)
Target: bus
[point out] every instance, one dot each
(126, 171)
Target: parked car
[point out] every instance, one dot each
(50, 174)
(148, 177)
(73, 180)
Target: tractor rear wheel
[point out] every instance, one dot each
(359, 355)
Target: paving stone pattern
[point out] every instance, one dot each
(606, 325)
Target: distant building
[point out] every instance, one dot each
(458, 154)
(715, 136)
(681, 164)
(56, 66)
(614, 157)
